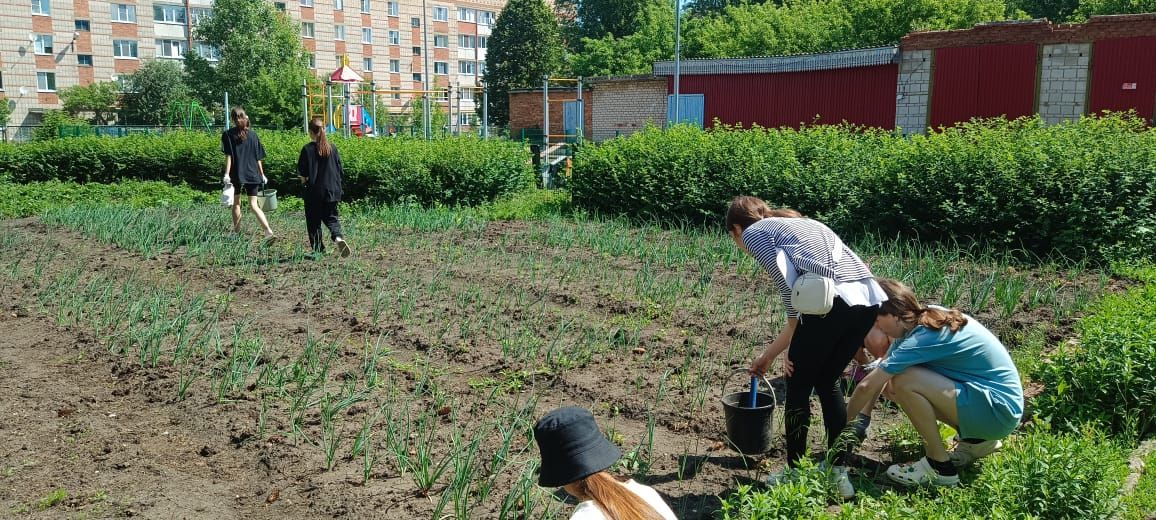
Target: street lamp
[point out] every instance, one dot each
(677, 58)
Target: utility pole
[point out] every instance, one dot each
(677, 59)
(427, 72)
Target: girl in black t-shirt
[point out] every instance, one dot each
(244, 168)
(319, 167)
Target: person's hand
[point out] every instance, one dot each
(761, 364)
(225, 179)
(304, 179)
(788, 367)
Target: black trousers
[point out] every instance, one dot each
(318, 211)
(820, 350)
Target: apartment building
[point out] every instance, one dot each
(61, 43)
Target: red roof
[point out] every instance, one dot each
(344, 74)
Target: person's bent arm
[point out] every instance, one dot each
(868, 390)
(781, 342)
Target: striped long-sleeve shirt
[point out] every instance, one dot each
(810, 246)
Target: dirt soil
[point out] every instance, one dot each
(113, 438)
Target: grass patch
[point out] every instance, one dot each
(1140, 504)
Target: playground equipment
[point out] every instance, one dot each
(188, 115)
(556, 148)
(358, 119)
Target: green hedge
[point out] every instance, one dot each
(450, 171)
(1085, 189)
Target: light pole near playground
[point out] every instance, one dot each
(677, 59)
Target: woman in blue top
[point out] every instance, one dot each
(947, 367)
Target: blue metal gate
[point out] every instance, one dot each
(571, 119)
(690, 109)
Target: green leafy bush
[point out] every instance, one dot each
(23, 200)
(465, 171)
(1047, 475)
(49, 128)
(805, 496)
(531, 204)
(1083, 189)
(1109, 378)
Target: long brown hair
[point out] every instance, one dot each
(746, 210)
(317, 130)
(615, 500)
(902, 303)
(241, 121)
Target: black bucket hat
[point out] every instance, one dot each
(572, 447)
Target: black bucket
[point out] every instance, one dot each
(749, 429)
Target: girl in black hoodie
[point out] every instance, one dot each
(319, 167)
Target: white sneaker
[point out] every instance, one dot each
(343, 247)
(919, 473)
(965, 452)
(785, 476)
(842, 481)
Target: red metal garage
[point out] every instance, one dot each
(1124, 75)
(983, 81)
(856, 86)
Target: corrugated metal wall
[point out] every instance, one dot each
(1118, 63)
(860, 95)
(985, 81)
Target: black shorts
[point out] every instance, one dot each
(248, 189)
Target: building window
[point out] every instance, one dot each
(200, 14)
(465, 14)
(312, 60)
(124, 13)
(43, 7)
(441, 67)
(417, 51)
(441, 14)
(441, 40)
(464, 119)
(467, 67)
(396, 96)
(395, 37)
(171, 48)
(482, 41)
(417, 76)
(486, 17)
(84, 60)
(43, 44)
(83, 25)
(366, 35)
(367, 64)
(306, 3)
(338, 5)
(392, 7)
(124, 49)
(169, 13)
(46, 82)
(339, 32)
(307, 29)
(467, 41)
(280, 6)
(365, 6)
(208, 52)
(415, 22)
(395, 65)
(481, 67)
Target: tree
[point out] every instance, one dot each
(262, 61)
(1054, 10)
(525, 46)
(1089, 8)
(51, 123)
(5, 112)
(617, 18)
(98, 99)
(707, 7)
(632, 54)
(154, 86)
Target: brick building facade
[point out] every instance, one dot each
(526, 111)
(61, 43)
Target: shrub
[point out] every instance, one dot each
(50, 124)
(1110, 378)
(451, 171)
(1047, 475)
(531, 204)
(1077, 189)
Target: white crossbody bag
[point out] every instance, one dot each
(811, 293)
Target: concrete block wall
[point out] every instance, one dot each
(1064, 78)
(622, 107)
(913, 94)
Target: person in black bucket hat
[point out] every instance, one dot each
(575, 457)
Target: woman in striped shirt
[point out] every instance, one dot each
(820, 347)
